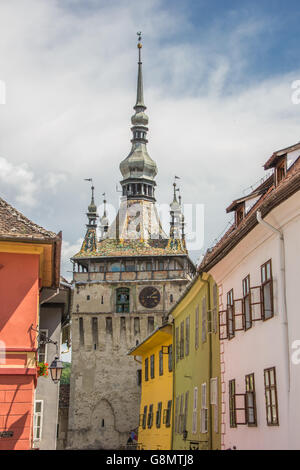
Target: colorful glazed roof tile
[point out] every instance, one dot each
(13, 224)
(115, 248)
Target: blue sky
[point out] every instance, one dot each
(217, 81)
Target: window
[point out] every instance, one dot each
(204, 409)
(281, 170)
(187, 336)
(88, 297)
(171, 298)
(203, 320)
(186, 408)
(38, 419)
(102, 299)
(176, 415)
(214, 402)
(182, 340)
(250, 400)
(150, 417)
(167, 414)
(42, 352)
(230, 314)
(247, 302)
(158, 414)
(271, 397)
(108, 326)
(170, 358)
(161, 363)
(161, 265)
(232, 411)
(95, 332)
(152, 366)
(240, 214)
(122, 300)
(181, 415)
(144, 421)
(139, 377)
(148, 266)
(215, 310)
(81, 332)
(197, 327)
(267, 290)
(177, 343)
(146, 369)
(195, 406)
(150, 324)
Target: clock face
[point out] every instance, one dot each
(149, 297)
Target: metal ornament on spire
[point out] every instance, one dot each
(140, 92)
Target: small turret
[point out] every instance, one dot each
(104, 222)
(177, 218)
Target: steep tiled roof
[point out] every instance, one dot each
(268, 201)
(111, 247)
(13, 224)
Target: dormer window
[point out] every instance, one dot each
(239, 214)
(280, 170)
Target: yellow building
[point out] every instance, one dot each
(155, 425)
(196, 376)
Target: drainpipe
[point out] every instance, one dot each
(283, 289)
(209, 363)
(51, 296)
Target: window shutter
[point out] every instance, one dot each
(203, 395)
(195, 405)
(203, 320)
(197, 327)
(214, 391)
(187, 336)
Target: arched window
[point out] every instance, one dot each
(122, 300)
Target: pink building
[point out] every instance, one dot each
(256, 265)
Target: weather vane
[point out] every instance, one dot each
(139, 34)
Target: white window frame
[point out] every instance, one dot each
(214, 401)
(195, 406)
(36, 414)
(45, 331)
(204, 409)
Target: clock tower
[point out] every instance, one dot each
(124, 284)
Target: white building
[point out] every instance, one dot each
(256, 265)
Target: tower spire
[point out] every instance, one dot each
(138, 169)
(140, 92)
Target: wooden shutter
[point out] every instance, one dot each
(197, 327)
(204, 318)
(223, 325)
(187, 336)
(256, 303)
(239, 315)
(195, 406)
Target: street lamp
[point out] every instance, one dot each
(56, 369)
(56, 366)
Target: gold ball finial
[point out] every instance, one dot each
(139, 45)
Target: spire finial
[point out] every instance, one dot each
(140, 94)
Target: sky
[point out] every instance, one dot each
(217, 84)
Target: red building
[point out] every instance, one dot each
(29, 262)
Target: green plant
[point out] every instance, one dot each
(42, 368)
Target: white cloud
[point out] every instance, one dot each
(70, 74)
